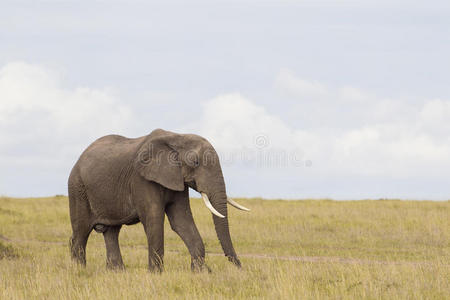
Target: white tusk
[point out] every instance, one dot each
(209, 205)
(237, 205)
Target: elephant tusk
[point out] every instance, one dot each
(237, 205)
(209, 205)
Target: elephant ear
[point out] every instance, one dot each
(157, 160)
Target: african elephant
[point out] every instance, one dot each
(120, 180)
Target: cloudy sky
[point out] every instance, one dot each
(339, 99)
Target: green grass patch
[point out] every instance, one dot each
(7, 251)
(383, 249)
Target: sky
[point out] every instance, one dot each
(302, 99)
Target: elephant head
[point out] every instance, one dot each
(179, 160)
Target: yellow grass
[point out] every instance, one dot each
(316, 249)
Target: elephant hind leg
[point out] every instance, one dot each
(113, 255)
(80, 218)
(78, 243)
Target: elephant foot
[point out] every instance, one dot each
(156, 263)
(78, 253)
(235, 261)
(79, 261)
(198, 265)
(157, 269)
(115, 266)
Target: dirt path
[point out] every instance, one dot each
(4, 238)
(311, 259)
(325, 259)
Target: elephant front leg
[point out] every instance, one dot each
(154, 229)
(182, 222)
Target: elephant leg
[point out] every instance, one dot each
(181, 221)
(78, 243)
(113, 256)
(80, 220)
(154, 229)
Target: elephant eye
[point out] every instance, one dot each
(192, 159)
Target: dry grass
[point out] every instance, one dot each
(348, 249)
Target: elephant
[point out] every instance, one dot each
(123, 181)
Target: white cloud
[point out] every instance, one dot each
(298, 86)
(45, 126)
(392, 140)
(233, 122)
(350, 136)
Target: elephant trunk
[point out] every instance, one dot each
(219, 201)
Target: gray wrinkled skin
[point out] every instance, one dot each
(119, 181)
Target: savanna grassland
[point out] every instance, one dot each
(309, 249)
